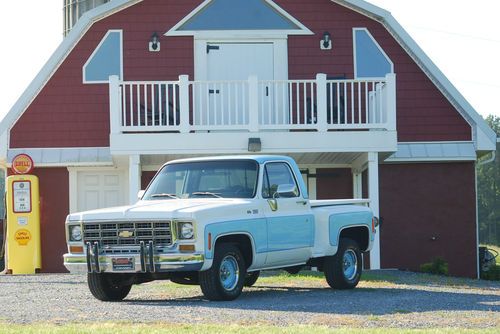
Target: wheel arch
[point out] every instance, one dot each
(243, 240)
(358, 233)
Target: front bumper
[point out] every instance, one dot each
(165, 262)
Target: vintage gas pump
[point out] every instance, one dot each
(23, 219)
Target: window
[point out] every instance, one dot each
(228, 179)
(370, 61)
(275, 175)
(106, 59)
(238, 15)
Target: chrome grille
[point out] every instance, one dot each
(132, 233)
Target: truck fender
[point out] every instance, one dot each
(208, 261)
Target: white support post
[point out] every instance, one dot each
(253, 103)
(312, 184)
(114, 104)
(184, 103)
(357, 183)
(390, 103)
(321, 102)
(134, 177)
(373, 194)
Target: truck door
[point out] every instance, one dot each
(290, 223)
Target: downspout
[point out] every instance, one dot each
(481, 163)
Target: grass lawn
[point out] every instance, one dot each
(126, 328)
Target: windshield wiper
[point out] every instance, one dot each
(205, 193)
(164, 195)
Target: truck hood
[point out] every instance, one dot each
(160, 209)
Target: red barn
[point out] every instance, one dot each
(336, 84)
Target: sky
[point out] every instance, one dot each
(461, 37)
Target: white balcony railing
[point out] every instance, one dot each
(252, 105)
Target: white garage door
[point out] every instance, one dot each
(100, 190)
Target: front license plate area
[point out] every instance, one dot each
(123, 263)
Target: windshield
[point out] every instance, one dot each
(227, 179)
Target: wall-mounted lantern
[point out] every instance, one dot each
(326, 42)
(254, 145)
(154, 43)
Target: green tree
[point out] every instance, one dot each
(488, 184)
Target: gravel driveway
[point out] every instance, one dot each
(387, 299)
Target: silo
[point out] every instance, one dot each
(74, 9)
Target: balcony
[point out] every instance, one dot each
(298, 115)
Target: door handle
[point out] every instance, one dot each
(267, 91)
(213, 91)
(303, 202)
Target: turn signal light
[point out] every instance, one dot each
(375, 223)
(76, 249)
(186, 248)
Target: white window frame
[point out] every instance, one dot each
(85, 81)
(271, 33)
(376, 44)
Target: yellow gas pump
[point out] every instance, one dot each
(23, 225)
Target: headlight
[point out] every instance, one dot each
(75, 233)
(186, 230)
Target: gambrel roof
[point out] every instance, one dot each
(484, 138)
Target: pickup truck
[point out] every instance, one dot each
(217, 222)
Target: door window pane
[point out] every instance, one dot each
(276, 174)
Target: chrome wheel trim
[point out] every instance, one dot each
(229, 273)
(349, 264)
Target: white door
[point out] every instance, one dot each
(100, 189)
(226, 103)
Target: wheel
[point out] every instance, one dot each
(251, 278)
(107, 287)
(343, 270)
(224, 281)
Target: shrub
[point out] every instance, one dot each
(493, 274)
(437, 266)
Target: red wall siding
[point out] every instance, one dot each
(423, 112)
(333, 183)
(54, 207)
(69, 114)
(422, 201)
(146, 177)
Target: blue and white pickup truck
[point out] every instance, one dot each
(218, 222)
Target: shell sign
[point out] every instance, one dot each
(22, 164)
(22, 237)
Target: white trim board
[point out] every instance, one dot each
(55, 157)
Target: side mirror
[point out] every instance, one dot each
(287, 191)
(140, 194)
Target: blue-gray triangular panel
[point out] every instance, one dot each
(238, 15)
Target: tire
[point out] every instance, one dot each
(343, 270)
(225, 279)
(251, 278)
(107, 287)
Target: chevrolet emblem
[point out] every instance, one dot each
(126, 234)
